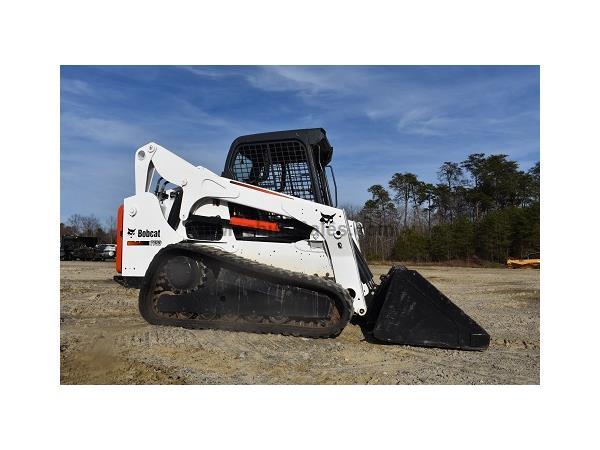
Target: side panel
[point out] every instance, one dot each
(145, 232)
(297, 257)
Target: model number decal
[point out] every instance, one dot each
(153, 242)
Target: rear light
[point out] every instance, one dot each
(119, 239)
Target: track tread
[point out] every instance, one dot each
(259, 269)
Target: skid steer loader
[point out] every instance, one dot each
(263, 248)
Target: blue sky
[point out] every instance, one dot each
(379, 119)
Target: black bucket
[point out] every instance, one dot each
(407, 309)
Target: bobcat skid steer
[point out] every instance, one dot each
(263, 248)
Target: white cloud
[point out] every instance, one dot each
(100, 130)
(188, 112)
(211, 71)
(308, 80)
(273, 78)
(75, 87)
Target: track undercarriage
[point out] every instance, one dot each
(197, 286)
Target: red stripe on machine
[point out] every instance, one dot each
(138, 242)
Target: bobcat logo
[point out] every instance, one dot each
(130, 232)
(326, 218)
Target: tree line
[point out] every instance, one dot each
(81, 225)
(484, 207)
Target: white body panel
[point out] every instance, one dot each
(329, 252)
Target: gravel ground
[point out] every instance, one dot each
(103, 339)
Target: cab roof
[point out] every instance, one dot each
(313, 138)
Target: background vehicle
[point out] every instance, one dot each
(75, 247)
(263, 248)
(106, 251)
(531, 261)
(84, 253)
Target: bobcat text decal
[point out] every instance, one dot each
(148, 233)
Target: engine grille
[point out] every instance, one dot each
(204, 231)
(278, 166)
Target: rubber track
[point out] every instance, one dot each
(228, 260)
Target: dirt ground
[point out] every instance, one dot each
(103, 339)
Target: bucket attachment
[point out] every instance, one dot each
(407, 309)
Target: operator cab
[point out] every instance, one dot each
(292, 162)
